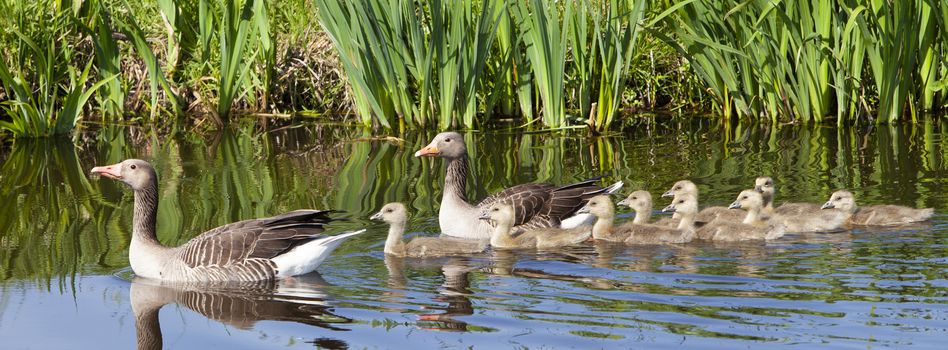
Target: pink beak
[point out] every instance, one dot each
(113, 171)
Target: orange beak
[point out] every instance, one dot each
(428, 151)
(113, 171)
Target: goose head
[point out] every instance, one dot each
(445, 145)
(748, 199)
(136, 173)
(685, 205)
(842, 200)
(392, 213)
(683, 187)
(500, 214)
(640, 201)
(599, 206)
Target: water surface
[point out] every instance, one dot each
(64, 281)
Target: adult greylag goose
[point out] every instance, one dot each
(507, 236)
(535, 205)
(797, 217)
(642, 233)
(875, 215)
(688, 188)
(765, 185)
(396, 215)
(259, 249)
(753, 227)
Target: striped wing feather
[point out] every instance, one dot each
(538, 205)
(246, 240)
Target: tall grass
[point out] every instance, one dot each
(805, 60)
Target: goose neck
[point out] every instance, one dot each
(145, 215)
(642, 216)
(753, 215)
(687, 222)
(455, 178)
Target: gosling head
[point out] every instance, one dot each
(499, 214)
(683, 187)
(685, 205)
(599, 206)
(448, 145)
(640, 201)
(842, 199)
(392, 213)
(136, 173)
(748, 199)
(764, 185)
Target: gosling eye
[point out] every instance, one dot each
(744, 197)
(635, 197)
(677, 188)
(447, 140)
(132, 166)
(389, 210)
(681, 201)
(495, 209)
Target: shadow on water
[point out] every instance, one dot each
(61, 231)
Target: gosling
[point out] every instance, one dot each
(753, 227)
(875, 215)
(709, 214)
(396, 215)
(502, 217)
(798, 217)
(639, 231)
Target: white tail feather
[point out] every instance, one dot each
(307, 257)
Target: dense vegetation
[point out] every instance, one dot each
(462, 64)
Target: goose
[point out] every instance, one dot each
(686, 187)
(753, 227)
(765, 185)
(259, 249)
(797, 217)
(536, 205)
(396, 215)
(875, 215)
(640, 202)
(642, 233)
(507, 235)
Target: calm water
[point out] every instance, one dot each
(64, 281)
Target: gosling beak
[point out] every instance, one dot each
(376, 216)
(669, 209)
(734, 205)
(484, 216)
(428, 151)
(759, 189)
(668, 193)
(624, 202)
(828, 205)
(113, 171)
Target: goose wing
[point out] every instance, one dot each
(254, 239)
(539, 205)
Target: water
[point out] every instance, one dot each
(64, 281)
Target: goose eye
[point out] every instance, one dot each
(744, 197)
(447, 140)
(677, 188)
(635, 197)
(495, 209)
(681, 201)
(388, 210)
(132, 166)
(592, 204)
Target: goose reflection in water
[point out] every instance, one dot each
(454, 290)
(239, 305)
